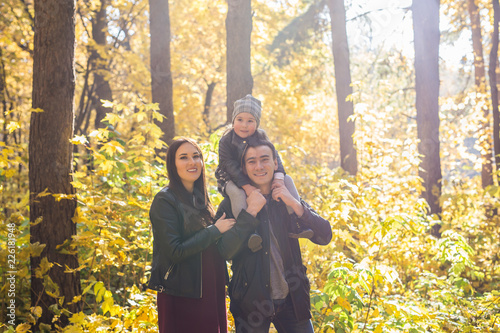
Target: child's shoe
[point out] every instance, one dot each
(254, 242)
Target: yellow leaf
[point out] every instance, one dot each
(36, 249)
(378, 329)
(79, 140)
(390, 308)
(98, 287)
(344, 303)
(77, 318)
(73, 329)
(158, 116)
(115, 310)
(61, 196)
(46, 327)
(79, 174)
(107, 166)
(37, 110)
(138, 138)
(101, 134)
(100, 294)
(79, 218)
(23, 328)
(45, 265)
(108, 302)
(94, 133)
(113, 146)
(132, 201)
(37, 311)
(37, 221)
(140, 116)
(112, 118)
(108, 295)
(77, 184)
(107, 104)
(76, 299)
(31, 319)
(44, 193)
(152, 106)
(12, 126)
(10, 173)
(139, 159)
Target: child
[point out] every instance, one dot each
(230, 177)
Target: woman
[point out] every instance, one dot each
(187, 270)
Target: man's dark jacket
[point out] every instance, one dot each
(249, 288)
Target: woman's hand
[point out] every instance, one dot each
(224, 224)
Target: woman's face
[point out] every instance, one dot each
(189, 165)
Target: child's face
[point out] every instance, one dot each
(244, 125)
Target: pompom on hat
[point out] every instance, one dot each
(248, 104)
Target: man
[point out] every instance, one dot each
(269, 285)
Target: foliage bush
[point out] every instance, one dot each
(383, 272)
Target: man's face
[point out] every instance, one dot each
(260, 165)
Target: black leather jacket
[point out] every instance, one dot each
(176, 267)
(249, 287)
(231, 148)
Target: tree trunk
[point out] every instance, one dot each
(426, 40)
(340, 48)
(50, 156)
(81, 110)
(3, 99)
(480, 82)
(208, 103)
(102, 87)
(492, 71)
(161, 75)
(239, 73)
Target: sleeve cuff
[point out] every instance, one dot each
(213, 230)
(307, 216)
(246, 218)
(279, 175)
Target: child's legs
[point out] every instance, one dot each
(238, 199)
(237, 196)
(291, 187)
(299, 232)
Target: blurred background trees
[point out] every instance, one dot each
(381, 111)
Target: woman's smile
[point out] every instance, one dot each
(189, 165)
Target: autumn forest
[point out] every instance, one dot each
(385, 114)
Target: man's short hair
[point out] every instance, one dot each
(256, 143)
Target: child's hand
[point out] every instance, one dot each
(248, 189)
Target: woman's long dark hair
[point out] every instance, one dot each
(175, 182)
